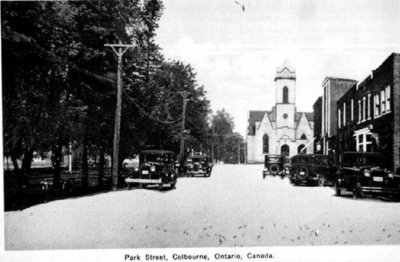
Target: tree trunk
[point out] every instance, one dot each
(100, 183)
(57, 156)
(27, 161)
(85, 168)
(15, 163)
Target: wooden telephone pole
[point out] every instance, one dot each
(119, 50)
(184, 95)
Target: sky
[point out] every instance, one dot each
(235, 53)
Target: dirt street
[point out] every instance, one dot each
(233, 207)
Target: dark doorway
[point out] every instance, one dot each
(285, 150)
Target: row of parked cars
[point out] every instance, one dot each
(160, 168)
(358, 173)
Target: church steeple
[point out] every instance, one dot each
(285, 84)
(285, 95)
(286, 71)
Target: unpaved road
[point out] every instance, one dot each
(233, 207)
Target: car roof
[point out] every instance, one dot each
(155, 151)
(303, 155)
(199, 156)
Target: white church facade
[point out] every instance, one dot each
(283, 130)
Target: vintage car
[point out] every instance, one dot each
(366, 174)
(199, 165)
(312, 169)
(287, 163)
(273, 165)
(156, 167)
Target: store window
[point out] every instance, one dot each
(364, 141)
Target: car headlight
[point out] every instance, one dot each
(200, 166)
(390, 175)
(136, 169)
(266, 169)
(152, 169)
(367, 173)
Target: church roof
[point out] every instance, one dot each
(309, 116)
(272, 114)
(254, 116)
(257, 116)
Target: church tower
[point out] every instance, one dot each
(285, 96)
(283, 130)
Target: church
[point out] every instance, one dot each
(283, 130)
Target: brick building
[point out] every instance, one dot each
(317, 108)
(333, 89)
(368, 115)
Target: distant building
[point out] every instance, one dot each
(317, 108)
(282, 130)
(333, 89)
(368, 115)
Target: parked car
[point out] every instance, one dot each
(273, 165)
(366, 174)
(156, 167)
(312, 169)
(287, 163)
(199, 165)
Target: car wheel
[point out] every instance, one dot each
(160, 186)
(302, 172)
(129, 186)
(173, 185)
(274, 169)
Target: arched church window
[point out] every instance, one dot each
(285, 150)
(301, 149)
(285, 98)
(303, 136)
(265, 143)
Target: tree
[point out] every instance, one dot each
(227, 145)
(59, 82)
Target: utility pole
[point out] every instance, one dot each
(245, 152)
(239, 150)
(212, 143)
(119, 50)
(184, 95)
